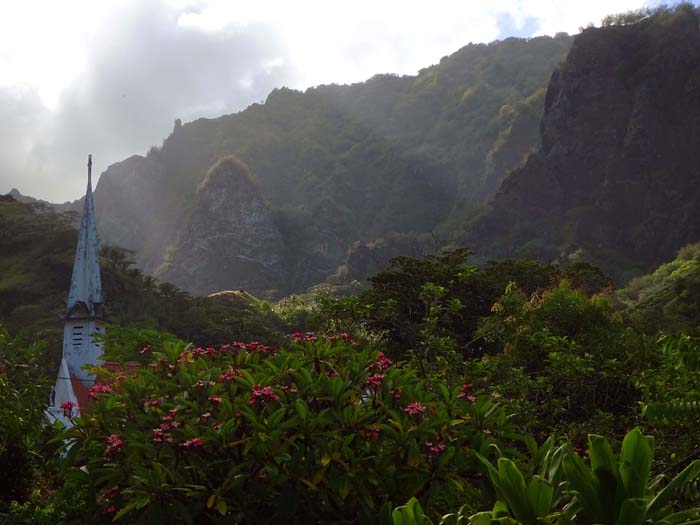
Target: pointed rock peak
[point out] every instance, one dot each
(86, 285)
(228, 171)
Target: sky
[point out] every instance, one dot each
(109, 77)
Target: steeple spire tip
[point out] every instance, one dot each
(90, 169)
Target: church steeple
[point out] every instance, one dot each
(83, 320)
(85, 297)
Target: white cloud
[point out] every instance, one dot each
(110, 76)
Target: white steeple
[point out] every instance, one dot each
(86, 286)
(84, 318)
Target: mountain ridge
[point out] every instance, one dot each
(346, 164)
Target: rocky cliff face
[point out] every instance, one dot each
(134, 209)
(230, 240)
(618, 171)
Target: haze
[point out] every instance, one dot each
(110, 77)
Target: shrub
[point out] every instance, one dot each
(320, 432)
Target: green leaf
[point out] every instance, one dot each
(492, 472)
(410, 514)
(482, 518)
(276, 417)
(604, 466)
(635, 458)
(301, 409)
(689, 473)
(584, 484)
(500, 509)
(221, 506)
(632, 512)
(137, 503)
(413, 454)
(514, 491)
(540, 494)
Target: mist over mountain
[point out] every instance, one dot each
(518, 148)
(392, 157)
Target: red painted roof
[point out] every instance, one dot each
(126, 367)
(80, 391)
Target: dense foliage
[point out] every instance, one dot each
(322, 431)
(22, 436)
(464, 385)
(667, 299)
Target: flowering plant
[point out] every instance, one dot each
(323, 430)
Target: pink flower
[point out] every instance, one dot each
(306, 337)
(236, 346)
(375, 381)
(415, 408)
(396, 393)
(187, 356)
(216, 400)
(159, 434)
(150, 403)
(258, 348)
(194, 442)
(68, 407)
(383, 362)
(98, 388)
(471, 399)
(371, 433)
(495, 394)
(114, 446)
(343, 336)
(262, 395)
(435, 449)
(203, 384)
(464, 392)
(228, 376)
(145, 349)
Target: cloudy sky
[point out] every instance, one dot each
(109, 77)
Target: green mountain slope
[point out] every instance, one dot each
(338, 165)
